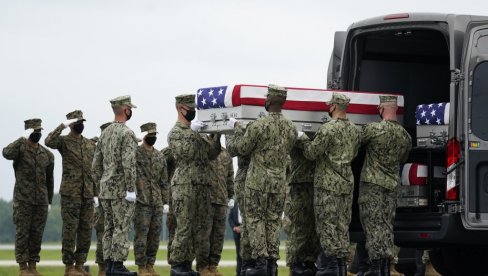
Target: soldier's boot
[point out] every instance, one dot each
(342, 265)
(385, 267)
(142, 271)
(331, 269)
(191, 272)
(297, 269)
(205, 271)
(260, 268)
(245, 265)
(150, 269)
(374, 268)
(215, 270)
(101, 269)
(272, 267)
(33, 268)
(429, 270)
(310, 269)
(393, 271)
(70, 270)
(79, 268)
(24, 270)
(119, 269)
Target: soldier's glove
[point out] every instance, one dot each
(197, 125)
(300, 134)
(49, 208)
(27, 133)
(130, 196)
(69, 122)
(231, 122)
(165, 208)
(231, 203)
(95, 202)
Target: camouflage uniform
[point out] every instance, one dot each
(334, 147)
(387, 145)
(33, 191)
(114, 167)
(190, 193)
(239, 189)
(152, 179)
(222, 179)
(170, 218)
(77, 191)
(269, 141)
(302, 241)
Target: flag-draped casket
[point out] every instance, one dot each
(432, 124)
(306, 107)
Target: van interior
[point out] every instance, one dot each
(413, 62)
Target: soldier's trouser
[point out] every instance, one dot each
(377, 212)
(29, 221)
(77, 215)
(245, 246)
(191, 235)
(99, 222)
(263, 223)
(218, 214)
(332, 217)
(147, 226)
(118, 221)
(303, 243)
(171, 224)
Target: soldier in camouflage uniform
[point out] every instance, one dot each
(269, 141)
(114, 167)
(99, 223)
(334, 147)
(221, 193)
(190, 188)
(152, 178)
(170, 218)
(239, 184)
(77, 191)
(33, 192)
(387, 145)
(303, 245)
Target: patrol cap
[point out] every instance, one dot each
(77, 114)
(275, 90)
(121, 101)
(388, 99)
(149, 128)
(34, 124)
(186, 99)
(339, 99)
(104, 126)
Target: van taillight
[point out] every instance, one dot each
(396, 16)
(453, 157)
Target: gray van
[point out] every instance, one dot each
(431, 58)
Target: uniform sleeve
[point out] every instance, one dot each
(230, 177)
(408, 149)
(53, 139)
(164, 184)
(313, 149)
(367, 134)
(180, 146)
(215, 147)
(12, 151)
(230, 145)
(129, 148)
(97, 165)
(50, 178)
(246, 141)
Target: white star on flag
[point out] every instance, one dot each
(438, 121)
(418, 122)
(204, 101)
(432, 113)
(440, 104)
(423, 114)
(427, 122)
(430, 105)
(210, 93)
(214, 101)
(200, 92)
(221, 91)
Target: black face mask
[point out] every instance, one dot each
(266, 106)
(78, 128)
(150, 140)
(128, 115)
(35, 137)
(190, 115)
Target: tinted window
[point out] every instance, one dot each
(479, 114)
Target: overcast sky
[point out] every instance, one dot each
(58, 56)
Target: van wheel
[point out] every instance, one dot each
(465, 260)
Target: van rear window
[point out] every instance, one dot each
(479, 101)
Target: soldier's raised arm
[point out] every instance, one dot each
(245, 139)
(12, 151)
(313, 149)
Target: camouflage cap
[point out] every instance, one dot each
(275, 90)
(77, 114)
(339, 99)
(388, 99)
(186, 99)
(122, 100)
(33, 124)
(149, 128)
(104, 126)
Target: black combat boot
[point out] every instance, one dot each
(245, 265)
(374, 268)
(120, 270)
(260, 268)
(385, 267)
(341, 263)
(110, 266)
(191, 272)
(179, 269)
(310, 269)
(331, 269)
(272, 267)
(297, 269)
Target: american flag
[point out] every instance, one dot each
(211, 97)
(432, 114)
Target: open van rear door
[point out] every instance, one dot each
(475, 97)
(333, 73)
